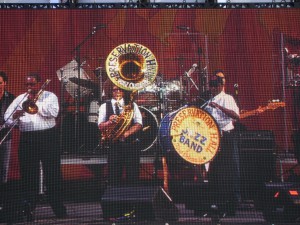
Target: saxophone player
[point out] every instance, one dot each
(122, 153)
(38, 136)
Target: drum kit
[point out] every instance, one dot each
(168, 122)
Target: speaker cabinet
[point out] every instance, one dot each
(147, 203)
(257, 161)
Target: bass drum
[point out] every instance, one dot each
(190, 133)
(148, 136)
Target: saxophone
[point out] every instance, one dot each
(131, 67)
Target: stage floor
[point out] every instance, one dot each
(85, 207)
(91, 213)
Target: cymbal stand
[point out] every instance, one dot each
(62, 88)
(162, 112)
(77, 50)
(181, 89)
(161, 97)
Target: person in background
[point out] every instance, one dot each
(6, 99)
(38, 145)
(224, 169)
(122, 153)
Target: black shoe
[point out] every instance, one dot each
(27, 212)
(60, 212)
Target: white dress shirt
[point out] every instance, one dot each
(42, 120)
(137, 116)
(227, 101)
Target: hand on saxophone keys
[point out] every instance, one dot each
(113, 118)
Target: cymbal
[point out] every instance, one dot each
(84, 83)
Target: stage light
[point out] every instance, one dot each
(293, 192)
(281, 202)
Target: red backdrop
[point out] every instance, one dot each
(245, 43)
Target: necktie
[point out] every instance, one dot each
(117, 108)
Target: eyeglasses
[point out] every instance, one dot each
(30, 84)
(117, 89)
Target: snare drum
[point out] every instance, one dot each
(190, 133)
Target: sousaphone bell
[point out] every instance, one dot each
(131, 67)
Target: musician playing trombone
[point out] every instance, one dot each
(35, 114)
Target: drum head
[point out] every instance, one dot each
(192, 133)
(148, 136)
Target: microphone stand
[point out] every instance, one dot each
(77, 50)
(99, 99)
(192, 81)
(204, 77)
(62, 88)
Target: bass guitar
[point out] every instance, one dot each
(271, 106)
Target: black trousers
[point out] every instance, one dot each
(224, 174)
(36, 147)
(123, 156)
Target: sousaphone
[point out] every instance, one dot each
(131, 67)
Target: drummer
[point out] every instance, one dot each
(224, 170)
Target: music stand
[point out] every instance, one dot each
(70, 70)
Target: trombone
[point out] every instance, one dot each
(28, 106)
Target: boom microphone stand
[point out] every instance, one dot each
(79, 64)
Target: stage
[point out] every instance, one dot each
(84, 186)
(91, 213)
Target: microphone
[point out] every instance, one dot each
(293, 56)
(192, 70)
(183, 27)
(99, 26)
(236, 86)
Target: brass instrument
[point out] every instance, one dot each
(117, 129)
(131, 67)
(28, 106)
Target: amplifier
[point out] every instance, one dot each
(256, 140)
(257, 161)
